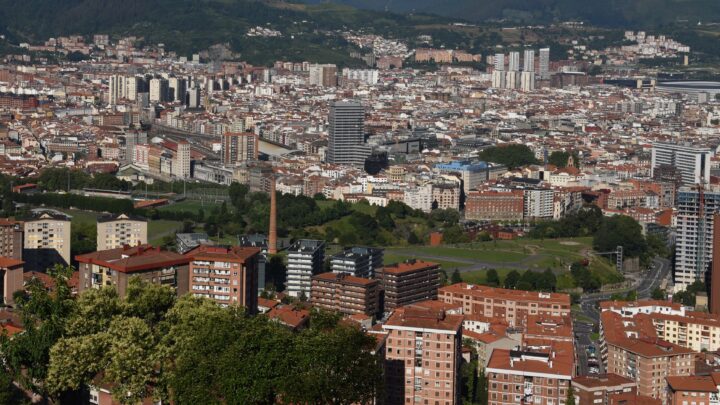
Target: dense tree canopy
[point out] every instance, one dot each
(512, 156)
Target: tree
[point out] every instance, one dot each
(512, 155)
(558, 158)
(546, 281)
(570, 400)
(512, 279)
(455, 277)
(492, 278)
(620, 230)
(658, 294)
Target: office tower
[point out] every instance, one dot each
(694, 241)
(176, 89)
(527, 81)
(46, 242)
(11, 279)
(529, 61)
(11, 238)
(306, 258)
(239, 147)
(193, 98)
(346, 143)
(115, 268)
(515, 306)
(344, 293)
(692, 162)
(499, 61)
(545, 63)
(539, 374)
(119, 230)
(117, 89)
(323, 75)
(423, 357)
(226, 275)
(158, 90)
(358, 261)
(133, 86)
(409, 282)
(181, 161)
(272, 232)
(514, 61)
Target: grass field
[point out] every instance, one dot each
(448, 266)
(159, 228)
(192, 206)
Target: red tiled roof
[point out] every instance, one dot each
(137, 258)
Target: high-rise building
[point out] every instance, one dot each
(514, 61)
(345, 293)
(238, 148)
(119, 230)
(529, 61)
(527, 81)
(133, 86)
(499, 61)
(498, 79)
(181, 160)
(422, 357)
(158, 90)
(545, 63)
(692, 162)
(715, 274)
(177, 87)
(193, 98)
(226, 275)
(117, 89)
(694, 241)
(306, 258)
(11, 238)
(115, 268)
(323, 75)
(46, 242)
(409, 282)
(358, 261)
(346, 143)
(512, 79)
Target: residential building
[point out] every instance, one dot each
(177, 87)
(367, 76)
(159, 90)
(323, 75)
(226, 275)
(115, 267)
(514, 61)
(513, 306)
(494, 205)
(597, 389)
(11, 279)
(11, 238)
(698, 390)
(345, 293)
(422, 357)
(358, 261)
(116, 89)
(306, 258)
(472, 174)
(408, 282)
(530, 374)
(446, 195)
(694, 228)
(239, 147)
(346, 141)
(46, 242)
(545, 63)
(181, 160)
(119, 230)
(693, 162)
(529, 61)
(538, 203)
(499, 61)
(188, 241)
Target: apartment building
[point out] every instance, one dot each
(344, 293)
(306, 257)
(408, 282)
(446, 195)
(597, 389)
(226, 275)
(358, 261)
(239, 147)
(493, 205)
(513, 306)
(629, 349)
(11, 238)
(115, 267)
(46, 242)
(119, 230)
(531, 375)
(422, 357)
(698, 390)
(11, 278)
(692, 161)
(538, 203)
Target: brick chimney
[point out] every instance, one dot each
(272, 232)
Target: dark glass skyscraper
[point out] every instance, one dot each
(346, 144)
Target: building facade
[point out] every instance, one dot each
(408, 282)
(118, 231)
(344, 293)
(11, 238)
(358, 261)
(692, 162)
(46, 242)
(346, 140)
(306, 257)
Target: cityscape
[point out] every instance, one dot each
(301, 203)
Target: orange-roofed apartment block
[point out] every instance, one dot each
(422, 357)
(408, 282)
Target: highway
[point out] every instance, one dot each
(649, 280)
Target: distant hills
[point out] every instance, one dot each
(612, 13)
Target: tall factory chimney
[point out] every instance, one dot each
(272, 232)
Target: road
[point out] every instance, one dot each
(644, 286)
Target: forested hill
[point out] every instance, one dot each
(613, 13)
